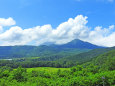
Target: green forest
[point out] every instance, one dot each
(99, 71)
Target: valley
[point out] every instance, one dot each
(57, 65)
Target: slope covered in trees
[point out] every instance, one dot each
(54, 60)
(71, 48)
(98, 72)
(36, 51)
(87, 56)
(106, 61)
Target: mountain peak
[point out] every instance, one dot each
(76, 43)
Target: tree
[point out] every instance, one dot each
(20, 74)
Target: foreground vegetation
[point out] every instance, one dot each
(75, 76)
(98, 72)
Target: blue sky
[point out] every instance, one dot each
(27, 14)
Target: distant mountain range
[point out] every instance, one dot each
(78, 44)
(59, 51)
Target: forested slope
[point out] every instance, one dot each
(98, 72)
(87, 56)
(68, 49)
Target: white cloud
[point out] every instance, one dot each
(7, 22)
(72, 29)
(102, 36)
(1, 28)
(17, 36)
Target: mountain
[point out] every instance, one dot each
(42, 51)
(48, 43)
(87, 56)
(47, 51)
(78, 44)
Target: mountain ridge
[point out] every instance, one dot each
(76, 43)
(74, 47)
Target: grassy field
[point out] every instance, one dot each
(27, 58)
(46, 69)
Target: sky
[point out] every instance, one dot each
(34, 22)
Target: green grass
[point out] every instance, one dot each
(34, 57)
(46, 69)
(26, 58)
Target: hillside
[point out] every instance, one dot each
(55, 60)
(87, 56)
(98, 72)
(71, 48)
(37, 51)
(106, 60)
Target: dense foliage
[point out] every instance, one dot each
(86, 56)
(55, 60)
(28, 63)
(98, 72)
(76, 76)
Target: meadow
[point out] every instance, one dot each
(47, 69)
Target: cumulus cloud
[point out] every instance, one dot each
(7, 22)
(67, 31)
(1, 28)
(17, 36)
(102, 36)
(72, 29)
